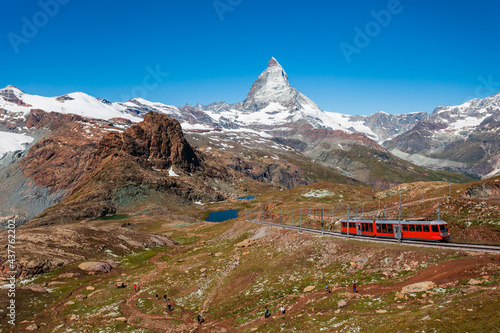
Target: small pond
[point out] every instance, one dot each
(247, 198)
(222, 216)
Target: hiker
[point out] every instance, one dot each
(327, 289)
(169, 306)
(282, 310)
(267, 314)
(354, 285)
(157, 298)
(165, 297)
(199, 319)
(135, 287)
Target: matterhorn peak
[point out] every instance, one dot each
(272, 88)
(273, 62)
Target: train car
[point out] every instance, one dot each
(436, 230)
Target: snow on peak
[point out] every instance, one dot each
(13, 88)
(273, 62)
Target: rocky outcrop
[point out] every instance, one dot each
(157, 142)
(150, 159)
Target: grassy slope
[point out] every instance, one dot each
(240, 283)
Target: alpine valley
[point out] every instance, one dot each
(105, 196)
(52, 148)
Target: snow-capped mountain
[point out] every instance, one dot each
(14, 100)
(463, 138)
(272, 90)
(273, 108)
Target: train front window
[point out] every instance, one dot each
(344, 224)
(435, 228)
(418, 227)
(389, 228)
(443, 227)
(405, 227)
(426, 228)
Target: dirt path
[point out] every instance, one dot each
(440, 273)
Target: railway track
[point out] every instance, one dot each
(450, 246)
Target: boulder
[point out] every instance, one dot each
(309, 288)
(417, 287)
(474, 282)
(90, 288)
(38, 289)
(202, 270)
(342, 303)
(80, 297)
(32, 327)
(112, 263)
(120, 285)
(246, 243)
(95, 267)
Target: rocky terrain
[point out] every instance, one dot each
(217, 271)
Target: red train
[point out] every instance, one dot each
(436, 230)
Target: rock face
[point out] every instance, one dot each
(417, 287)
(157, 142)
(151, 158)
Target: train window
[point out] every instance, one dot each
(362, 226)
(384, 228)
(378, 227)
(370, 227)
(418, 227)
(405, 227)
(352, 225)
(443, 227)
(344, 224)
(411, 227)
(426, 228)
(389, 228)
(435, 228)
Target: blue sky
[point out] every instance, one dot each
(425, 54)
